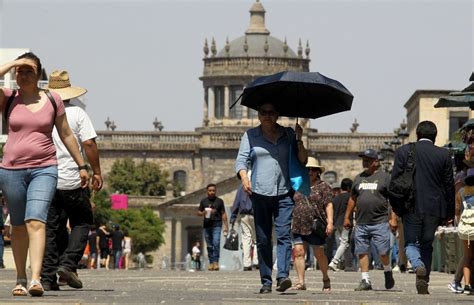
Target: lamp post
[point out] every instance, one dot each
(388, 149)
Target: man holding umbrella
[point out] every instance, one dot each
(266, 148)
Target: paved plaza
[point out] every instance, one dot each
(230, 287)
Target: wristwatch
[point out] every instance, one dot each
(85, 166)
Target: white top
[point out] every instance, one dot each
(127, 243)
(83, 130)
(196, 250)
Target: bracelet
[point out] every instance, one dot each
(85, 166)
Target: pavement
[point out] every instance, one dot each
(231, 287)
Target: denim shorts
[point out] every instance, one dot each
(312, 239)
(379, 234)
(28, 192)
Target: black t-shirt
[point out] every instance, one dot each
(339, 204)
(103, 239)
(216, 218)
(117, 237)
(93, 241)
(371, 197)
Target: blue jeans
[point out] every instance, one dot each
(28, 192)
(269, 209)
(213, 241)
(117, 257)
(419, 235)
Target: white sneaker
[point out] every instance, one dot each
(396, 269)
(333, 266)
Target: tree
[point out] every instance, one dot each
(145, 179)
(144, 227)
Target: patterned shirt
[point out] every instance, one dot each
(304, 210)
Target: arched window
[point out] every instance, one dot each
(179, 181)
(219, 99)
(236, 111)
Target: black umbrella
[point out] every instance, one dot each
(464, 98)
(298, 94)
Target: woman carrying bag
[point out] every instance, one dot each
(312, 223)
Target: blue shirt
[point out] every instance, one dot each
(268, 161)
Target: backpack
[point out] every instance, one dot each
(6, 111)
(401, 190)
(466, 221)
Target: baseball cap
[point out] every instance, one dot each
(369, 153)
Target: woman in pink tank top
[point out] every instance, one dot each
(28, 173)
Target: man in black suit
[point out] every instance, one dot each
(434, 199)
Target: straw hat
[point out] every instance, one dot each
(313, 163)
(59, 83)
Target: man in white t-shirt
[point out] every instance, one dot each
(63, 252)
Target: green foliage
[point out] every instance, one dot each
(143, 226)
(103, 207)
(145, 179)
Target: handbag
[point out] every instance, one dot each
(299, 176)
(401, 190)
(319, 225)
(232, 241)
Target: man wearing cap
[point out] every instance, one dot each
(434, 198)
(369, 194)
(63, 252)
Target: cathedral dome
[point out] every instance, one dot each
(257, 45)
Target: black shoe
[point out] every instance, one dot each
(389, 281)
(421, 283)
(256, 267)
(364, 285)
(2, 266)
(71, 278)
(403, 268)
(266, 289)
(283, 284)
(247, 268)
(48, 286)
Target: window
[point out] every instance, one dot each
(456, 120)
(237, 110)
(179, 181)
(219, 105)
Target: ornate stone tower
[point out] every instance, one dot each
(226, 72)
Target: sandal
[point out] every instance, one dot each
(299, 286)
(326, 285)
(20, 290)
(36, 289)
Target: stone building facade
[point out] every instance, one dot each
(195, 158)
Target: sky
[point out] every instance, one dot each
(141, 59)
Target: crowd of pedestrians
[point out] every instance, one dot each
(359, 214)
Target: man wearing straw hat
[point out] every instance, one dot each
(63, 253)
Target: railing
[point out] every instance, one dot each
(209, 139)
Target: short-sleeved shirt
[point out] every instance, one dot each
(216, 203)
(103, 239)
(117, 238)
(306, 207)
(30, 143)
(339, 204)
(371, 197)
(83, 130)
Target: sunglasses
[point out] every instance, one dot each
(267, 113)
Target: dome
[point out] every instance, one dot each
(256, 47)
